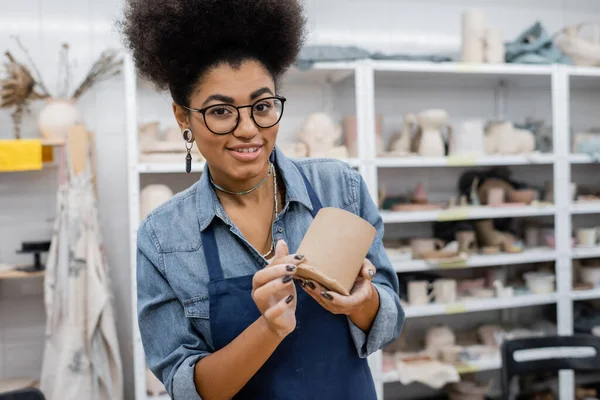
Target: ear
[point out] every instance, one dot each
(181, 115)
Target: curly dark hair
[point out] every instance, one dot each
(174, 42)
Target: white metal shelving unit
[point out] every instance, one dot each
(554, 78)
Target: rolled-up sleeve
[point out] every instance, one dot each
(171, 344)
(389, 320)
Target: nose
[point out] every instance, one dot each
(246, 129)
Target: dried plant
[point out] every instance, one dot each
(107, 66)
(23, 85)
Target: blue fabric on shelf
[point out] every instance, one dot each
(534, 46)
(310, 55)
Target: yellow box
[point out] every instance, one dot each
(20, 155)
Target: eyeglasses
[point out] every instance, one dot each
(222, 119)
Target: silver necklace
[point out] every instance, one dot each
(271, 170)
(275, 212)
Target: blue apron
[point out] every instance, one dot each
(318, 360)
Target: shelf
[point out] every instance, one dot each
(320, 73)
(476, 305)
(526, 257)
(14, 274)
(584, 77)
(585, 252)
(586, 294)
(466, 213)
(461, 75)
(582, 159)
(472, 367)
(462, 161)
(588, 207)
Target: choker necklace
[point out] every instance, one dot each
(243, 192)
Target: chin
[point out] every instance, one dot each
(241, 172)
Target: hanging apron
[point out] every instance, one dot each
(317, 360)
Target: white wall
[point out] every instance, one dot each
(27, 199)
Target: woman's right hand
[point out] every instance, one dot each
(274, 292)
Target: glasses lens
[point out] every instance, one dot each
(267, 112)
(221, 118)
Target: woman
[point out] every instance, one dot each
(215, 323)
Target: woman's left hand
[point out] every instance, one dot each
(339, 304)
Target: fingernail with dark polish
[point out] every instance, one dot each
(311, 285)
(289, 299)
(302, 283)
(327, 296)
(299, 256)
(290, 267)
(286, 279)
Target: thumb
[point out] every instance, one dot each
(281, 249)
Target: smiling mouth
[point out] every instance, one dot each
(247, 150)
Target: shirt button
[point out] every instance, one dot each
(280, 229)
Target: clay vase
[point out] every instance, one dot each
(153, 196)
(57, 117)
(492, 183)
(420, 194)
(432, 142)
(488, 236)
(402, 144)
(467, 242)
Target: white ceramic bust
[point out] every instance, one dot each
(320, 133)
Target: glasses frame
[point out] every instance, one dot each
(250, 106)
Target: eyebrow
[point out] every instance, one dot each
(218, 97)
(259, 92)
(226, 99)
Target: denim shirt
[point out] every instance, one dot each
(172, 277)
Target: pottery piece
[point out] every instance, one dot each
(587, 237)
(501, 291)
(503, 138)
(467, 242)
(467, 138)
(525, 196)
(402, 145)
(489, 250)
(590, 275)
(496, 196)
(483, 293)
(472, 34)
(492, 183)
(419, 246)
(320, 133)
(415, 207)
(494, 52)
(419, 293)
(57, 117)
(431, 123)
(152, 196)
(420, 194)
(451, 354)
(445, 291)
(294, 150)
(487, 235)
(437, 338)
(334, 257)
(540, 282)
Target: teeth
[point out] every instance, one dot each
(248, 150)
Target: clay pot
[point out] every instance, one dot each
(488, 236)
(431, 143)
(522, 196)
(467, 242)
(492, 183)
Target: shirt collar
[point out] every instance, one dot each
(208, 205)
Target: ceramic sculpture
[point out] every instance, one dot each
(467, 138)
(57, 117)
(431, 142)
(320, 133)
(473, 31)
(503, 138)
(401, 145)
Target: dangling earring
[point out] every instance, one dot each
(189, 142)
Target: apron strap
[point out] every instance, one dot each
(314, 199)
(211, 253)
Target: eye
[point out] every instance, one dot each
(263, 106)
(220, 111)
